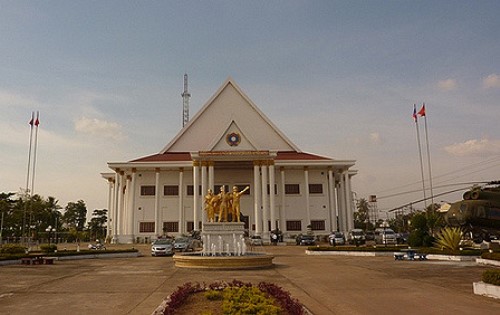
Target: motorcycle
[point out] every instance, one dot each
(97, 246)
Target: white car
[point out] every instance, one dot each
(162, 247)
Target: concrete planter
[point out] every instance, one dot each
(488, 262)
(451, 257)
(347, 253)
(489, 290)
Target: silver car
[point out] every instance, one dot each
(162, 247)
(183, 244)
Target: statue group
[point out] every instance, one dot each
(224, 203)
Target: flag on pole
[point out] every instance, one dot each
(415, 112)
(37, 121)
(31, 121)
(421, 112)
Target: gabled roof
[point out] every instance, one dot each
(229, 110)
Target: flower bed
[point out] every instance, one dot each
(235, 297)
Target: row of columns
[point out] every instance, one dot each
(121, 199)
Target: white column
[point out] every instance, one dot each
(257, 197)
(332, 199)
(342, 212)
(265, 208)
(114, 217)
(349, 208)
(306, 189)
(111, 189)
(182, 223)
(272, 203)
(196, 195)
(121, 206)
(126, 209)
(204, 187)
(158, 228)
(283, 201)
(211, 178)
(131, 217)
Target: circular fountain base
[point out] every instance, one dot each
(247, 261)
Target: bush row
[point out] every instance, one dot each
(491, 276)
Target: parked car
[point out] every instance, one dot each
(336, 238)
(183, 244)
(370, 235)
(357, 236)
(256, 240)
(385, 236)
(162, 247)
(305, 240)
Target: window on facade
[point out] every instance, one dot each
(148, 190)
(190, 190)
(275, 189)
(171, 190)
(241, 187)
(318, 225)
(294, 225)
(292, 189)
(171, 226)
(189, 226)
(146, 227)
(315, 188)
(217, 188)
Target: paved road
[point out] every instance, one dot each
(325, 284)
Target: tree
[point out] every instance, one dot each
(362, 217)
(98, 223)
(75, 215)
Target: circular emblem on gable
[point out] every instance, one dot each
(233, 139)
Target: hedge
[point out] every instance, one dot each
(491, 276)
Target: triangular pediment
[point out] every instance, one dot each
(233, 139)
(229, 113)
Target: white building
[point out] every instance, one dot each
(229, 142)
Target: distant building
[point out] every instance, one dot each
(229, 142)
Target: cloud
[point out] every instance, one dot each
(375, 138)
(9, 99)
(99, 127)
(491, 81)
(447, 85)
(474, 147)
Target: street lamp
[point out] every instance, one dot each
(385, 225)
(49, 230)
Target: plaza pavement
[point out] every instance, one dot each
(324, 284)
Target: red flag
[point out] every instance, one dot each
(31, 121)
(415, 112)
(37, 121)
(421, 112)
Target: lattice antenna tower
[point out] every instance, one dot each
(185, 102)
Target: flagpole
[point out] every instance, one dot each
(420, 154)
(37, 122)
(28, 175)
(29, 153)
(428, 156)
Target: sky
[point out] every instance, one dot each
(339, 78)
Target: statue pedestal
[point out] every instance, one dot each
(222, 235)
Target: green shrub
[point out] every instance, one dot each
(416, 238)
(449, 238)
(492, 256)
(491, 276)
(48, 248)
(213, 295)
(12, 249)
